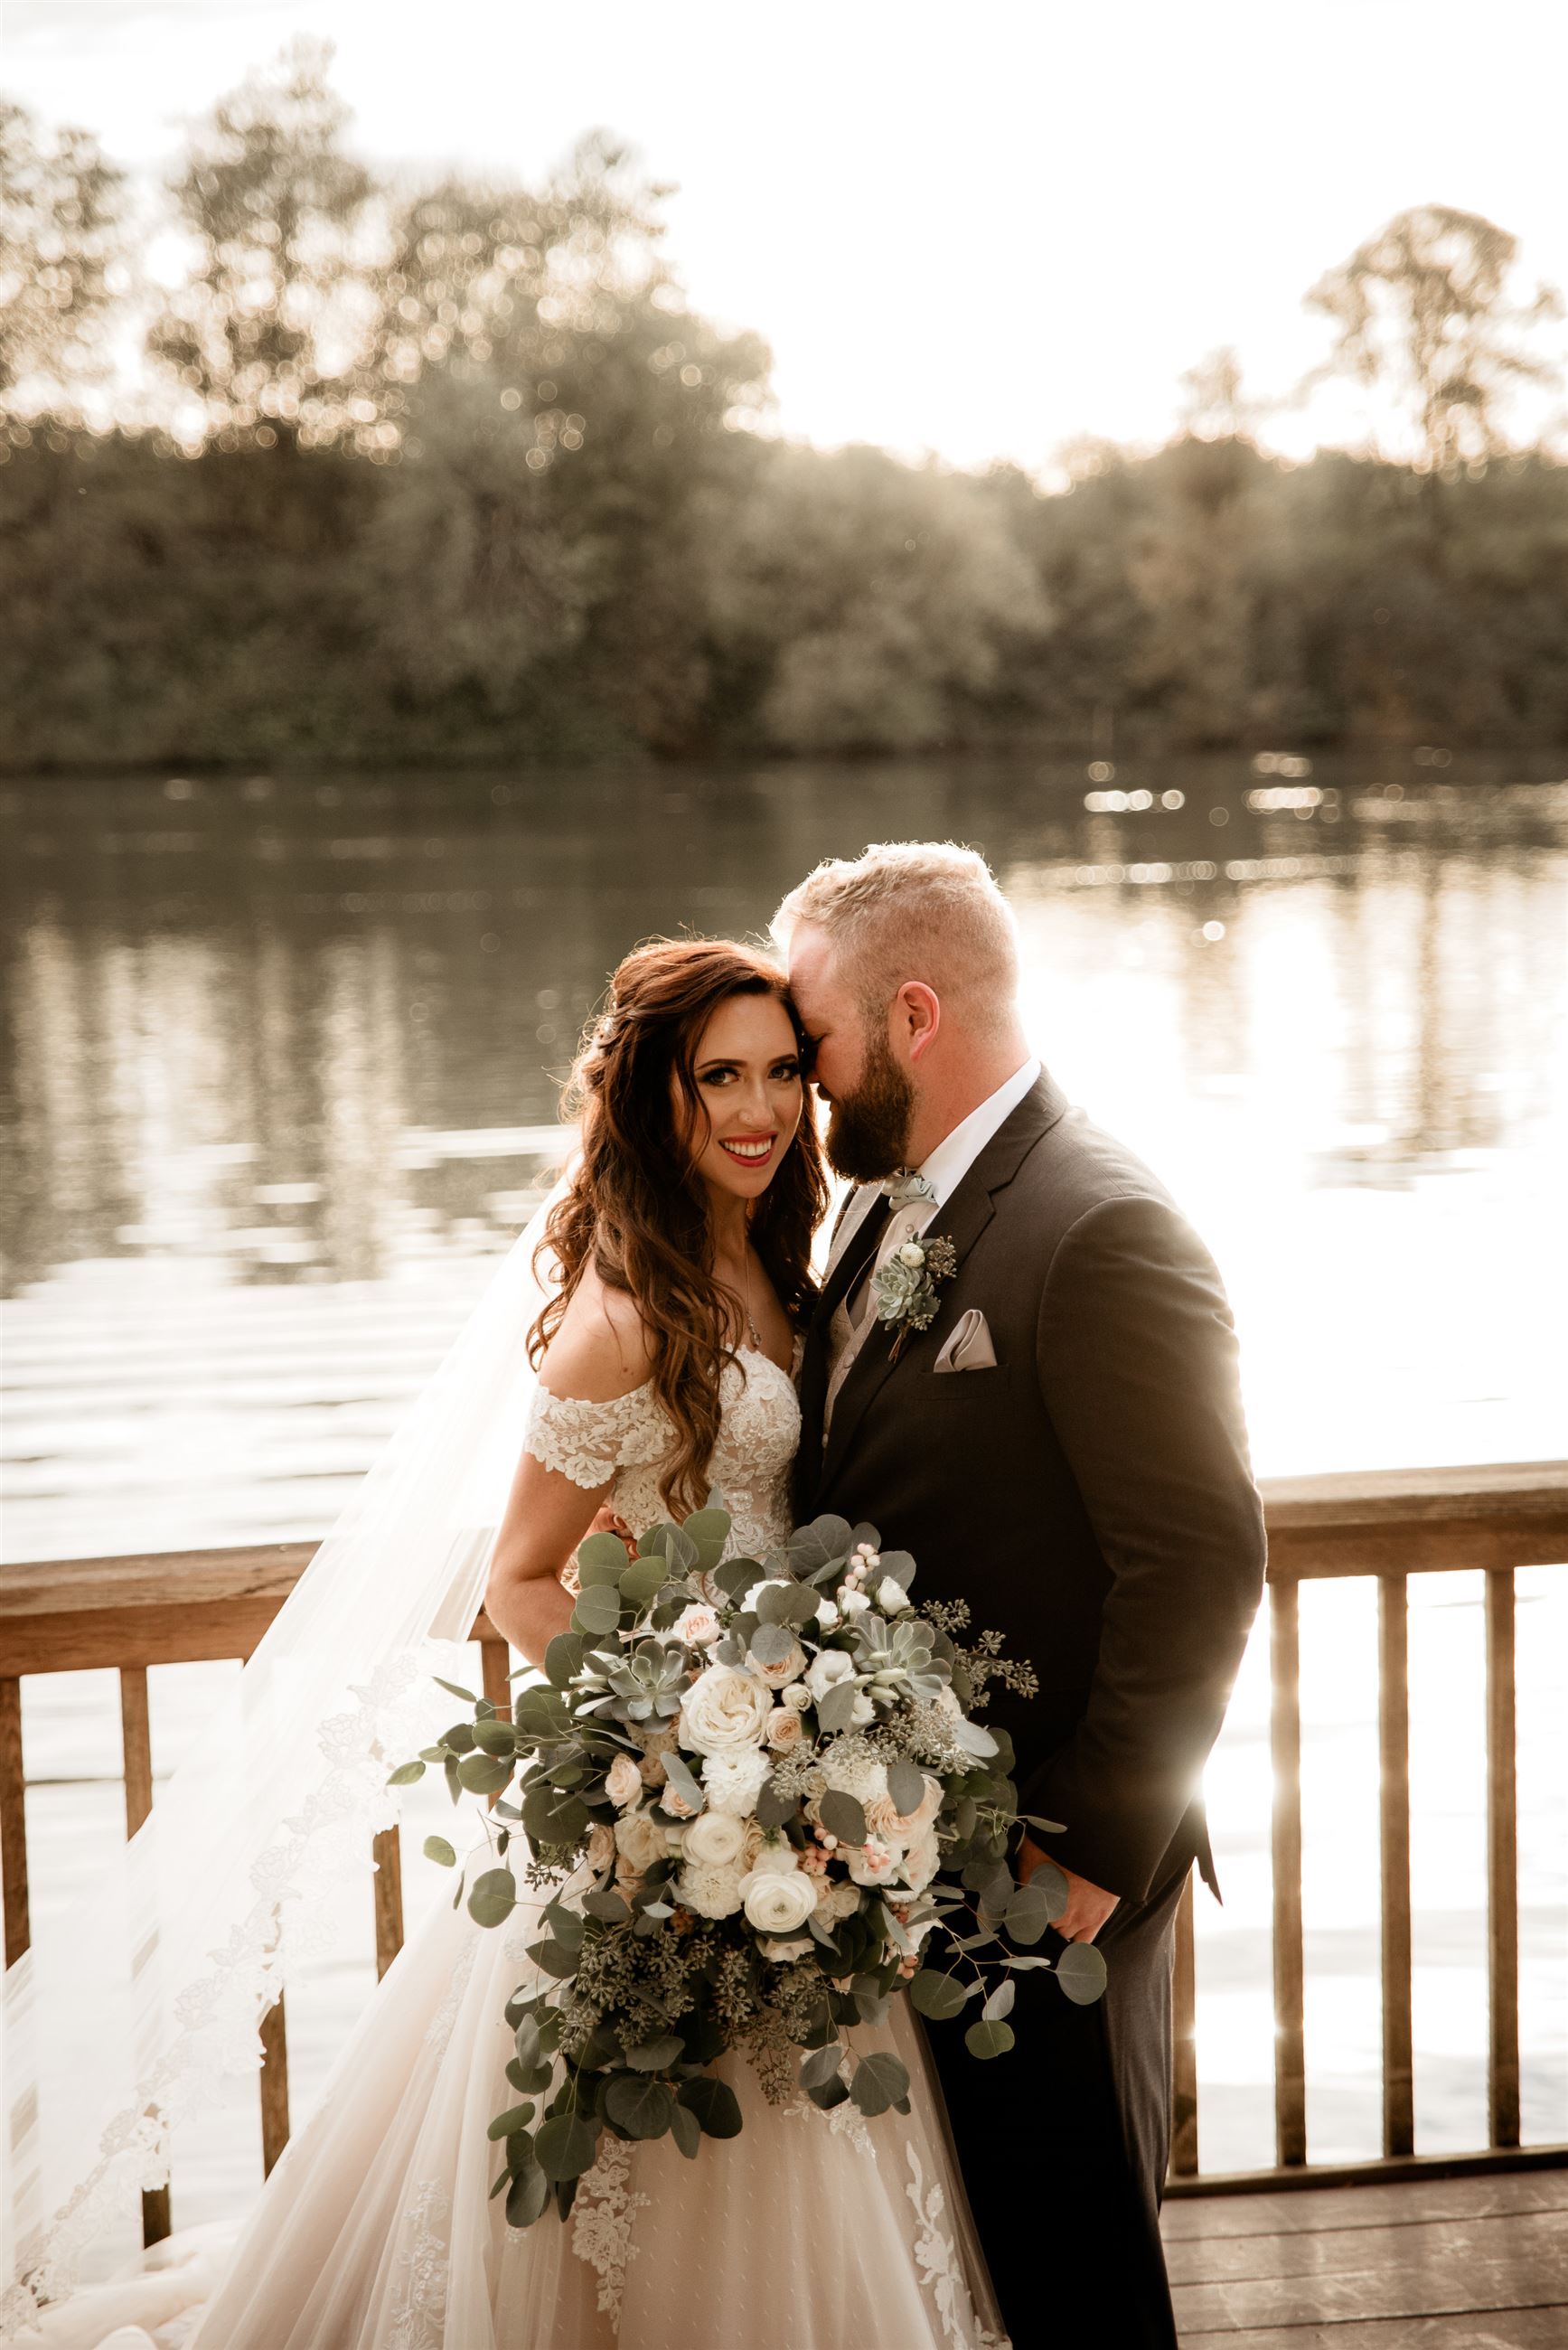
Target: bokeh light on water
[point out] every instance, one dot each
(279, 1064)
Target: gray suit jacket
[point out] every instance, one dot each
(1090, 1495)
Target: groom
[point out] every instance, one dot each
(1062, 1446)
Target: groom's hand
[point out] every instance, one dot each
(1088, 1906)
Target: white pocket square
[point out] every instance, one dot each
(968, 1348)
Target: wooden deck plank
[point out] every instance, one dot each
(1513, 2329)
(1443, 2284)
(1405, 2203)
(1526, 2237)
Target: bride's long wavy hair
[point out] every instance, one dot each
(637, 1210)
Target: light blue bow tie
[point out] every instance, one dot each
(903, 1189)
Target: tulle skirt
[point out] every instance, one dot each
(377, 2230)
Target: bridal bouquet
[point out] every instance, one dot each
(763, 1805)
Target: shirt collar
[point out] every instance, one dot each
(946, 1167)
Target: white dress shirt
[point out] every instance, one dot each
(944, 1169)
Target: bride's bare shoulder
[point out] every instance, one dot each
(601, 1351)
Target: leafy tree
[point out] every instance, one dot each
(275, 206)
(1424, 310)
(62, 235)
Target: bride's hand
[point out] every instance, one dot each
(609, 1521)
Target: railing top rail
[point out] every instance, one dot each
(166, 1606)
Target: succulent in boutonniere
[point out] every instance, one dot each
(904, 1288)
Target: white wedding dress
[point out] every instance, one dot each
(377, 2230)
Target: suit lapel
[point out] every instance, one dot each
(961, 1221)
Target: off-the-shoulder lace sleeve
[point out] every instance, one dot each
(589, 1441)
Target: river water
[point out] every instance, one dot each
(275, 1061)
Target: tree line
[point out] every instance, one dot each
(456, 473)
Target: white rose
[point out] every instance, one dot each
(784, 1730)
(776, 1904)
(623, 1781)
(921, 1861)
(678, 1807)
(891, 1596)
(795, 1948)
(838, 1901)
(712, 1891)
(853, 1603)
(798, 1695)
(827, 1614)
(601, 1845)
(698, 1625)
(911, 1253)
(714, 1839)
(862, 1711)
(871, 1863)
(735, 1781)
(826, 1670)
(789, 1668)
(725, 1710)
(640, 1841)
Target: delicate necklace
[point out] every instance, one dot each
(746, 1301)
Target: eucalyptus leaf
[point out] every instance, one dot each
(772, 1641)
(637, 2106)
(1081, 1971)
(528, 2195)
(405, 1774)
(456, 1689)
(686, 2130)
(843, 1816)
(597, 1552)
(988, 2039)
(598, 1608)
(482, 1774)
(1000, 2003)
(880, 2080)
(836, 1709)
(565, 2147)
(515, 2117)
(1034, 1906)
(774, 1808)
(937, 1995)
(495, 1738)
(437, 1848)
(492, 1898)
(906, 1786)
(715, 2105)
(821, 2065)
(608, 1905)
(563, 1659)
(832, 2092)
(679, 1774)
(657, 2055)
(640, 1583)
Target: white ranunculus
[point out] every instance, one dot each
(798, 1695)
(777, 1857)
(725, 1710)
(853, 1603)
(789, 1668)
(714, 1838)
(911, 1253)
(733, 1782)
(711, 1889)
(776, 1904)
(698, 1625)
(826, 1670)
(623, 1781)
(862, 1711)
(795, 1947)
(827, 1614)
(785, 1730)
(891, 1596)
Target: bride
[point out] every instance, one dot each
(675, 1288)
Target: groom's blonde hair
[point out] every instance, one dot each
(914, 910)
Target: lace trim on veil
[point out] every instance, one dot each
(220, 2013)
(602, 2220)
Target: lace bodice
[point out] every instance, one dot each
(628, 1440)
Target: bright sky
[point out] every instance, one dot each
(979, 231)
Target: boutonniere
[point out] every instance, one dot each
(904, 1288)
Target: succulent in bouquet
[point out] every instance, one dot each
(759, 1800)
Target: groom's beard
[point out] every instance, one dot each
(868, 1129)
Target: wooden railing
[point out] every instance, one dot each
(174, 1607)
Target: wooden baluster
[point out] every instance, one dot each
(1394, 1826)
(387, 1852)
(1285, 1750)
(274, 2085)
(1502, 1860)
(494, 1665)
(1184, 2044)
(13, 1823)
(136, 1745)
